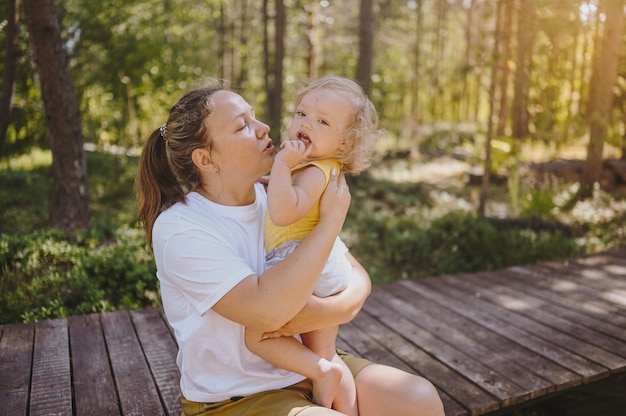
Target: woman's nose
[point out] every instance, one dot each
(262, 130)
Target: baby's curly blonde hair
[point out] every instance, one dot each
(362, 132)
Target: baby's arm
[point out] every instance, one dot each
(291, 197)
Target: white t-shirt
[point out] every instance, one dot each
(203, 250)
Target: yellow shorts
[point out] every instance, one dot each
(283, 402)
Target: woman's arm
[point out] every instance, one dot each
(267, 302)
(332, 310)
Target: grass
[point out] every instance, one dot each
(408, 219)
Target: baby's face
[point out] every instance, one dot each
(320, 121)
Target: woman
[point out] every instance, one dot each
(203, 208)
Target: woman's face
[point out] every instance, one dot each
(241, 143)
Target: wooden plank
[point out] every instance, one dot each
(16, 357)
(361, 344)
(603, 293)
(559, 364)
(514, 308)
(598, 280)
(515, 383)
(613, 260)
(597, 268)
(94, 387)
(514, 361)
(568, 293)
(342, 345)
(135, 385)
(51, 384)
(561, 306)
(160, 350)
(614, 350)
(602, 266)
(600, 272)
(482, 376)
(553, 345)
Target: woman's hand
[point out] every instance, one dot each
(335, 200)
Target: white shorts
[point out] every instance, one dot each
(336, 272)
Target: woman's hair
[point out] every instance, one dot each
(166, 170)
(362, 131)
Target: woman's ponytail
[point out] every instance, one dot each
(156, 184)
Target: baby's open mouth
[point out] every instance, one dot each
(303, 138)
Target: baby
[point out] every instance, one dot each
(333, 128)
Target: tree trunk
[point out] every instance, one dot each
(10, 68)
(477, 66)
(279, 41)
(314, 53)
(623, 149)
(507, 35)
(280, 27)
(417, 62)
(525, 41)
(225, 49)
(437, 52)
(273, 61)
(266, 52)
(601, 94)
(367, 28)
(467, 60)
(484, 191)
(241, 75)
(572, 100)
(69, 207)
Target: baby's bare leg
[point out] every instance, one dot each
(288, 353)
(323, 343)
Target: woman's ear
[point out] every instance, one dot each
(202, 159)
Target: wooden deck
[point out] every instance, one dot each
(490, 342)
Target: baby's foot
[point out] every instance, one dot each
(326, 384)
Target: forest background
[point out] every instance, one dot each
(505, 119)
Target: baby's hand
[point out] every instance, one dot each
(293, 152)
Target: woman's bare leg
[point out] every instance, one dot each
(384, 390)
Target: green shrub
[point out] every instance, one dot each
(538, 204)
(44, 275)
(464, 243)
(393, 247)
(24, 199)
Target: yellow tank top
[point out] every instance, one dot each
(276, 235)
